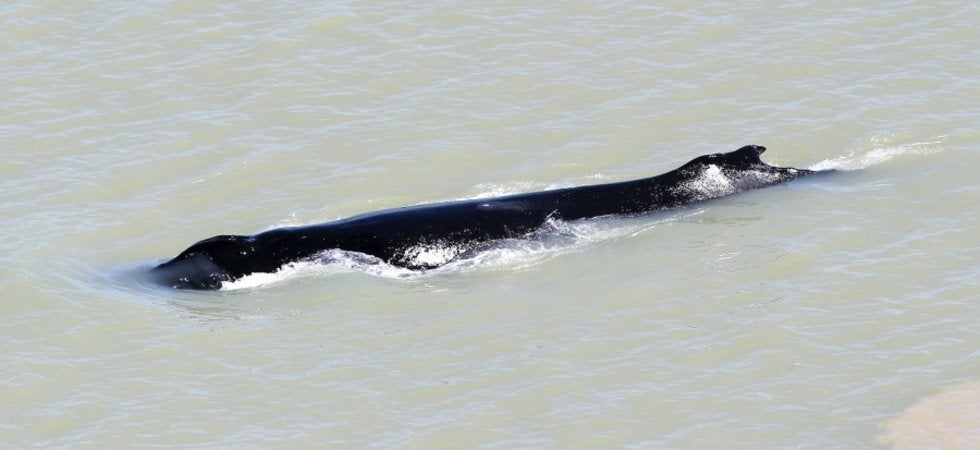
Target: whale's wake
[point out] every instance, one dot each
(881, 150)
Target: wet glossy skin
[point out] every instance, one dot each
(391, 234)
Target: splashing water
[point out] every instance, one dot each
(432, 255)
(880, 152)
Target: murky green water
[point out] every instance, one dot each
(803, 316)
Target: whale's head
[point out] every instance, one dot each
(209, 263)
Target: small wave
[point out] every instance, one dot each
(330, 262)
(881, 151)
(260, 279)
(949, 419)
(488, 190)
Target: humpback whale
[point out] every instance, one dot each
(396, 236)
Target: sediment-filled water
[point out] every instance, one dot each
(821, 313)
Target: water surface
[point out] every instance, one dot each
(808, 315)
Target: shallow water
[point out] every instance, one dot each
(811, 314)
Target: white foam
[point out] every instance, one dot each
(880, 152)
(261, 279)
(491, 190)
(433, 254)
(498, 190)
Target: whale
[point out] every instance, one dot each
(400, 236)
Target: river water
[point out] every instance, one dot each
(831, 312)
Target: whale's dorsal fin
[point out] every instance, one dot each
(747, 153)
(747, 156)
(743, 158)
